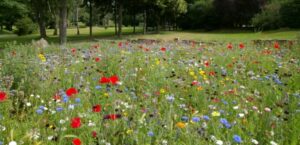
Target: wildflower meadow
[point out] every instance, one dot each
(150, 93)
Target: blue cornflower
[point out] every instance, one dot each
(98, 87)
(185, 118)
(150, 133)
(39, 111)
(65, 99)
(59, 109)
(1, 143)
(196, 119)
(77, 100)
(237, 139)
(170, 98)
(205, 117)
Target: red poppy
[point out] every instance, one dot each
(76, 122)
(242, 45)
(56, 97)
(71, 91)
(206, 63)
(276, 45)
(2, 96)
(212, 73)
(146, 49)
(114, 79)
(76, 141)
(120, 44)
(73, 50)
(195, 83)
(97, 59)
(112, 116)
(229, 46)
(104, 80)
(96, 46)
(163, 49)
(94, 134)
(97, 108)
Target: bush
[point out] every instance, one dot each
(25, 26)
(269, 18)
(290, 12)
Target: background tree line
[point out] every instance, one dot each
(26, 16)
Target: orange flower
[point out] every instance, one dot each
(180, 125)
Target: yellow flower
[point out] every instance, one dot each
(157, 61)
(129, 131)
(215, 113)
(192, 73)
(162, 91)
(201, 72)
(180, 125)
(42, 57)
(106, 94)
(199, 88)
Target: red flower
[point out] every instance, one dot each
(73, 50)
(97, 108)
(56, 97)
(2, 96)
(76, 122)
(76, 141)
(104, 80)
(94, 134)
(195, 83)
(114, 79)
(97, 59)
(276, 45)
(163, 49)
(206, 63)
(229, 46)
(71, 91)
(242, 46)
(112, 116)
(212, 73)
(120, 44)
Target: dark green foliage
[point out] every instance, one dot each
(25, 26)
(290, 13)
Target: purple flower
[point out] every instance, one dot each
(150, 133)
(39, 111)
(237, 139)
(195, 119)
(77, 100)
(205, 117)
(185, 118)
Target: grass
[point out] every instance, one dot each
(101, 33)
(150, 93)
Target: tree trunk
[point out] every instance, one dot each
(63, 22)
(115, 17)
(42, 27)
(56, 26)
(120, 19)
(91, 20)
(77, 26)
(145, 22)
(134, 22)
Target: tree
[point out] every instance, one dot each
(63, 22)
(40, 9)
(290, 12)
(10, 12)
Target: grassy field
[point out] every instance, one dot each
(101, 33)
(119, 92)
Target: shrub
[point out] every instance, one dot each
(269, 18)
(25, 26)
(290, 12)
